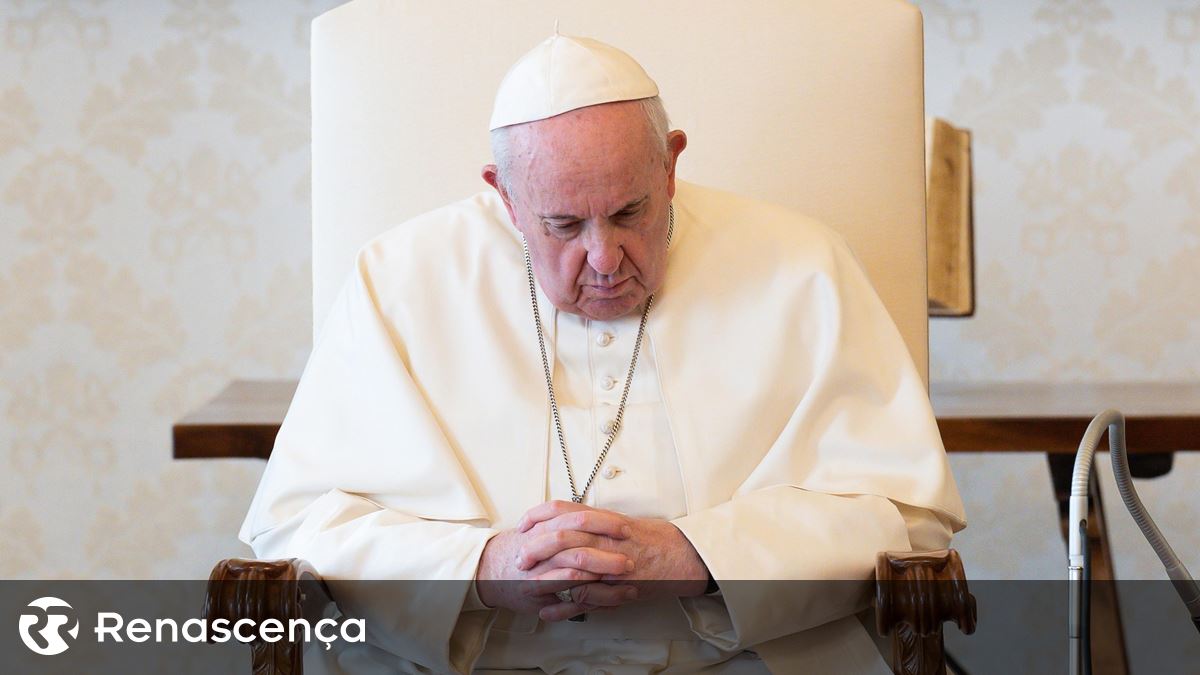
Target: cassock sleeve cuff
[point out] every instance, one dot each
(707, 614)
(472, 602)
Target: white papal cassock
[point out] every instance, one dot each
(776, 419)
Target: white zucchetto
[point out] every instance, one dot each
(566, 73)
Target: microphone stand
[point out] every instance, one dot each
(1078, 563)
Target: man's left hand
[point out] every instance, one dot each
(664, 562)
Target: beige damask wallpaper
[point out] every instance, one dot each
(1087, 204)
(153, 200)
(1087, 221)
(154, 244)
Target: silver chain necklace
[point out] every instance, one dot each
(577, 496)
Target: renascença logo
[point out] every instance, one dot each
(42, 631)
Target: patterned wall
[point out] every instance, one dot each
(153, 199)
(1087, 222)
(1087, 142)
(154, 244)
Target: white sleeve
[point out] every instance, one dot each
(363, 484)
(792, 552)
(786, 560)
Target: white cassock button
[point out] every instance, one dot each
(611, 472)
(607, 427)
(608, 383)
(605, 339)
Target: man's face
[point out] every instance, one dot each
(589, 191)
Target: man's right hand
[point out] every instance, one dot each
(584, 556)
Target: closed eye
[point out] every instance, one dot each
(628, 213)
(630, 210)
(563, 225)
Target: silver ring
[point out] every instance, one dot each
(564, 596)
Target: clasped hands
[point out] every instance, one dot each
(604, 558)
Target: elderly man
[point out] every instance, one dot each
(600, 392)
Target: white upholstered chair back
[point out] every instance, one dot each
(817, 105)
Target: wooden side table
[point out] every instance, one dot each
(1161, 418)
(241, 421)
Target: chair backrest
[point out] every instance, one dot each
(817, 105)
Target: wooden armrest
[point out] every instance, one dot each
(266, 589)
(915, 593)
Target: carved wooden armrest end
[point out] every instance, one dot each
(265, 589)
(915, 593)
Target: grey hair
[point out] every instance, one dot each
(502, 144)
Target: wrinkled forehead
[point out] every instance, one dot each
(606, 146)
